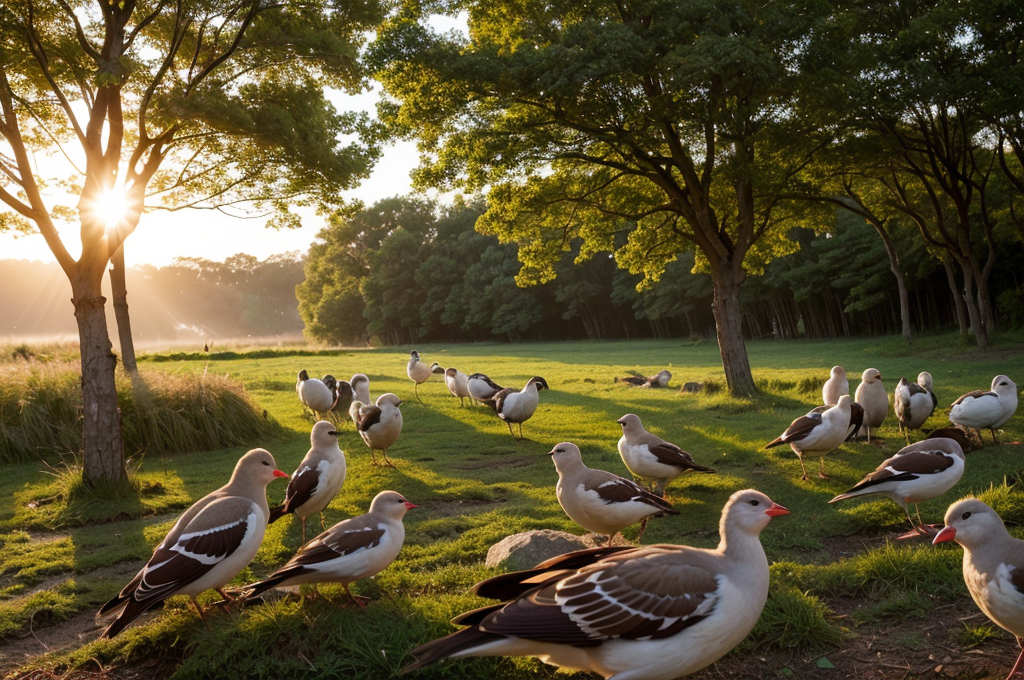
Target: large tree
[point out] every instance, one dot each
(197, 103)
(678, 122)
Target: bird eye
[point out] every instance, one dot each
(266, 463)
(965, 515)
(755, 503)
(1003, 384)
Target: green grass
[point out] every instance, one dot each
(476, 485)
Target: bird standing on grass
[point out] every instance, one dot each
(815, 435)
(918, 472)
(317, 480)
(836, 386)
(360, 395)
(351, 550)
(652, 458)
(481, 387)
(993, 565)
(207, 547)
(458, 384)
(343, 396)
(979, 409)
(599, 501)
(652, 613)
(380, 425)
(871, 395)
(518, 407)
(314, 394)
(914, 403)
(419, 372)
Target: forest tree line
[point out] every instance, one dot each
(406, 271)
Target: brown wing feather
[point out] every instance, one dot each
(798, 429)
(975, 394)
(300, 488)
(670, 454)
(625, 491)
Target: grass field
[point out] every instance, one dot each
(839, 579)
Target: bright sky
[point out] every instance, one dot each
(162, 236)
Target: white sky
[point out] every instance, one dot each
(162, 236)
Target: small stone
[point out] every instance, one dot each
(528, 549)
(693, 387)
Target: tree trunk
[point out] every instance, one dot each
(102, 446)
(973, 309)
(729, 328)
(124, 324)
(958, 301)
(901, 282)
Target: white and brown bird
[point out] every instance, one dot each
(360, 395)
(343, 395)
(481, 387)
(380, 425)
(208, 546)
(420, 372)
(518, 406)
(650, 457)
(648, 613)
(836, 386)
(993, 565)
(599, 501)
(815, 435)
(317, 480)
(314, 394)
(871, 395)
(914, 403)
(979, 409)
(917, 473)
(349, 551)
(659, 379)
(458, 384)
(856, 419)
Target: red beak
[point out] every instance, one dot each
(278, 473)
(947, 534)
(776, 510)
(411, 505)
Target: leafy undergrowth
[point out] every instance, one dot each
(475, 485)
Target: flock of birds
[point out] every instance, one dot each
(623, 612)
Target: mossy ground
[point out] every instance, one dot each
(837, 570)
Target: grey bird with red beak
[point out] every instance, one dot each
(351, 550)
(208, 546)
(651, 613)
(993, 565)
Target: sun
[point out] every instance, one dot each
(111, 207)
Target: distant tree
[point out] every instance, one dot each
(675, 121)
(200, 104)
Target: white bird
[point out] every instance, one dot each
(871, 395)
(360, 395)
(351, 550)
(914, 403)
(650, 613)
(207, 547)
(836, 386)
(314, 394)
(481, 387)
(981, 409)
(419, 372)
(652, 458)
(918, 472)
(380, 425)
(317, 480)
(518, 407)
(993, 565)
(599, 501)
(659, 379)
(815, 435)
(856, 418)
(458, 384)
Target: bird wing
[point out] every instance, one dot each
(368, 417)
(344, 538)
(976, 394)
(621, 490)
(497, 402)
(213, 535)
(798, 429)
(906, 467)
(670, 454)
(514, 584)
(635, 597)
(301, 487)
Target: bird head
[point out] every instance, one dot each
(391, 504)
(630, 423)
(838, 372)
(970, 523)
(389, 398)
(871, 375)
(749, 511)
(257, 466)
(539, 382)
(1003, 385)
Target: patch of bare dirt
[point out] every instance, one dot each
(157, 669)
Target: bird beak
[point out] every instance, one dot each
(334, 433)
(947, 534)
(278, 473)
(550, 453)
(620, 421)
(776, 510)
(410, 506)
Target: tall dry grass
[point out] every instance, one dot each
(41, 411)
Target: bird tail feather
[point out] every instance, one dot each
(277, 513)
(435, 650)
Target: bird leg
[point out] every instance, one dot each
(920, 522)
(821, 465)
(643, 526)
(1016, 666)
(323, 524)
(198, 609)
(303, 531)
(510, 429)
(993, 431)
(521, 432)
(804, 468)
(387, 462)
(355, 598)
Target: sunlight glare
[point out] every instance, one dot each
(111, 207)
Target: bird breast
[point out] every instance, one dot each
(995, 595)
(520, 406)
(875, 400)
